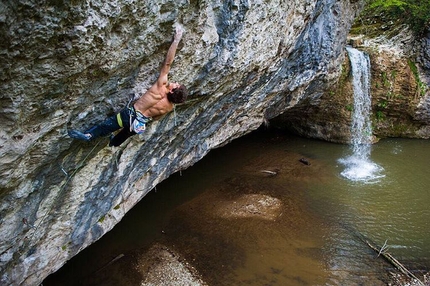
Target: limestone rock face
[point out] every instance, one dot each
(70, 64)
(423, 109)
(424, 56)
(399, 102)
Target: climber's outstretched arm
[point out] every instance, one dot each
(162, 79)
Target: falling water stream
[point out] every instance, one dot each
(358, 166)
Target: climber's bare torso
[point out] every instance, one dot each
(154, 102)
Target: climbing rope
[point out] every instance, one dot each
(174, 114)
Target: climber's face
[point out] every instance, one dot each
(173, 85)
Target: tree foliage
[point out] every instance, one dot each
(416, 13)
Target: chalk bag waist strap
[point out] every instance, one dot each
(138, 121)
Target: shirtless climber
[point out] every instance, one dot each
(156, 102)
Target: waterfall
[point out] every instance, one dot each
(359, 167)
(361, 129)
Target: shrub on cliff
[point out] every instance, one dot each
(415, 13)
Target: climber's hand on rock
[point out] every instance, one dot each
(179, 32)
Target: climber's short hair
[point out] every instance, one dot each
(178, 95)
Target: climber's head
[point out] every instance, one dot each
(177, 93)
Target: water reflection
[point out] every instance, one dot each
(395, 209)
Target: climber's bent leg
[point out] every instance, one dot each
(119, 138)
(105, 128)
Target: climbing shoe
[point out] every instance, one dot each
(79, 135)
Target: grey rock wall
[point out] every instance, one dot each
(69, 64)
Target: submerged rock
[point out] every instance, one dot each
(250, 206)
(162, 266)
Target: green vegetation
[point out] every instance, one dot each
(422, 87)
(383, 104)
(385, 80)
(414, 13)
(380, 115)
(65, 246)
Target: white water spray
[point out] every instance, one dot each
(359, 167)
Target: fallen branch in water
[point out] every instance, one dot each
(382, 251)
(111, 262)
(272, 173)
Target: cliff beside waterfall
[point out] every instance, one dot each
(400, 86)
(69, 64)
